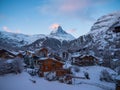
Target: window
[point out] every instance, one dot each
(117, 29)
(53, 64)
(46, 67)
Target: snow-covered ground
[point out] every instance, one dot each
(94, 74)
(23, 82)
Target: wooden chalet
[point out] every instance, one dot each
(6, 54)
(49, 65)
(85, 60)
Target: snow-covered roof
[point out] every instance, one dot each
(43, 58)
(87, 55)
(115, 60)
(75, 55)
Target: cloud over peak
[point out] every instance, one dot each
(54, 26)
(5, 28)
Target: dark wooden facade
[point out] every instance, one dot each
(62, 72)
(84, 60)
(49, 65)
(117, 29)
(6, 54)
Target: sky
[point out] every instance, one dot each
(42, 16)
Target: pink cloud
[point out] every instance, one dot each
(54, 26)
(63, 6)
(71, 31)
(73, 5)
(18, 31)
(5, 28)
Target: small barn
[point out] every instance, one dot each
(48, 65)
(6, 54)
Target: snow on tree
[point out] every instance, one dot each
(86, 74)
(105, 75)
(117, 69)
(50, 76)
(74, 69)
(11, 66)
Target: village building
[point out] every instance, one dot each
(49, 65)
(84, 60)
(6, 54)
(46, 64)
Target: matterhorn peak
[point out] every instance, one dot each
(58, 30)
(60, 34)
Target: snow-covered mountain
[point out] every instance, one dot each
(101, 41)
(17, 40)
(106, 21)
(103, 31)
(60, 34)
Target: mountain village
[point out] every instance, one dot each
(93, 62)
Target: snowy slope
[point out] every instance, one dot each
(94, 74)
(102, 30)
(104, 25)
(106, 21)
(20, 39)
(60, 34)
(23, 82)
